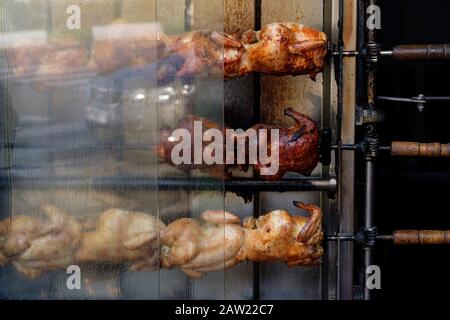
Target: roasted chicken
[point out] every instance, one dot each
(279, 236)
(123, 237)
(218, 241)
(24, 56)
(36, 245)
(297, 145)
(122, 45)
(285, 49)
(199, 53)
(52, 58)
(166, 146)
(278, 49)
(202, 246)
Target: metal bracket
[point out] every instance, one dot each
(370, 147)
(368, 116)
(325, 146)
(366, 237)
(373, 51)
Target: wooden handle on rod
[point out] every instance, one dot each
(417, 149)
(405, 237)
(422, 52)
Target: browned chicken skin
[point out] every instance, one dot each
(218, 241)
(298, 147)
(215, 242)
(123, 237)
(164, 149)
(36, 245)
(278, 49)
(279, 236)
(198, 247)
(286, 49)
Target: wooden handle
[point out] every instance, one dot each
(422, 52)
(404, 237)
(416, 149)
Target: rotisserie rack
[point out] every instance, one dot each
(97, 185)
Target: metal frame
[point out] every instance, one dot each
(344, 253)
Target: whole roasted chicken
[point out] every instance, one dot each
(202, 246)
(218, 241)
(215, 242)
(279, 236)
(35, 245)
(297, 148)
(123, 237)
(286, 49)
(278, 49)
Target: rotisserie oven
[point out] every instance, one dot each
(198, 149)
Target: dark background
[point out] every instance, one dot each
(412, 193)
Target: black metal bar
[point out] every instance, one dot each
(256, 265)
(416, 99)
(256, 119)
(357, 147)
(341, 237)
(300, 184)
(368, 218)
(340, 103)
(372, 148)
(351, 237)
(385, 237)
(345, 53)
(65, 147)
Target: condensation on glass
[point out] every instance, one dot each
(86, 98)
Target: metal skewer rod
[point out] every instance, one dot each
(403, 237)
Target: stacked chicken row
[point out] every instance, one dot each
(297, 147)
(55, 240)
(278, 49)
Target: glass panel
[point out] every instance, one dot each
(92, 95)
(278, 281)
(196, 95)
(90, 90)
